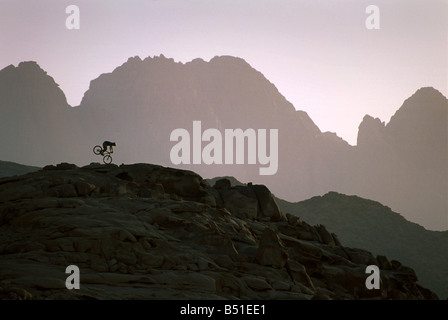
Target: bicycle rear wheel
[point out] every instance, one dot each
(107, 159)
(97, 149)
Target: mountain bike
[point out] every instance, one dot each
(107, 158)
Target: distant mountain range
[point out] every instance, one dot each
(8, 169)
(367, 224)
(402, 164)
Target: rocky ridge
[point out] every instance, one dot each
(143, 231)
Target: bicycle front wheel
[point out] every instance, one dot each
(97, 149)
(107, 159)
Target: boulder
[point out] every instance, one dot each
(326, 237)
(266, 203)
(241, 204)
(63, 191)
(383, 262)
(298, 274)
(84, 188)
(257, 283)
(271, 251)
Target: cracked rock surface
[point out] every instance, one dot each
(143, 231)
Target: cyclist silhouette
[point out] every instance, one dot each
(109, 144)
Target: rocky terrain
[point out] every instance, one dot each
(143, 231)
(367, 224)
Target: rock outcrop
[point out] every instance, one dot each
(149, 232)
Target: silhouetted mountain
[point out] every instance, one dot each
(370, 225)
(36, 122)
(157, 95)
(404, 164)
(141, 102)
(143, 231)
(8, 169)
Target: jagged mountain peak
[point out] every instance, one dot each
(427, 91)
(27, 71)
(31, 88)
(30, 65)
(423, 116)
(426, 102)
(370, 131)
(222, 60)
(224, 82)
(24, 65)
(229, 60)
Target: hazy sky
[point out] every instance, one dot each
(318, 53)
